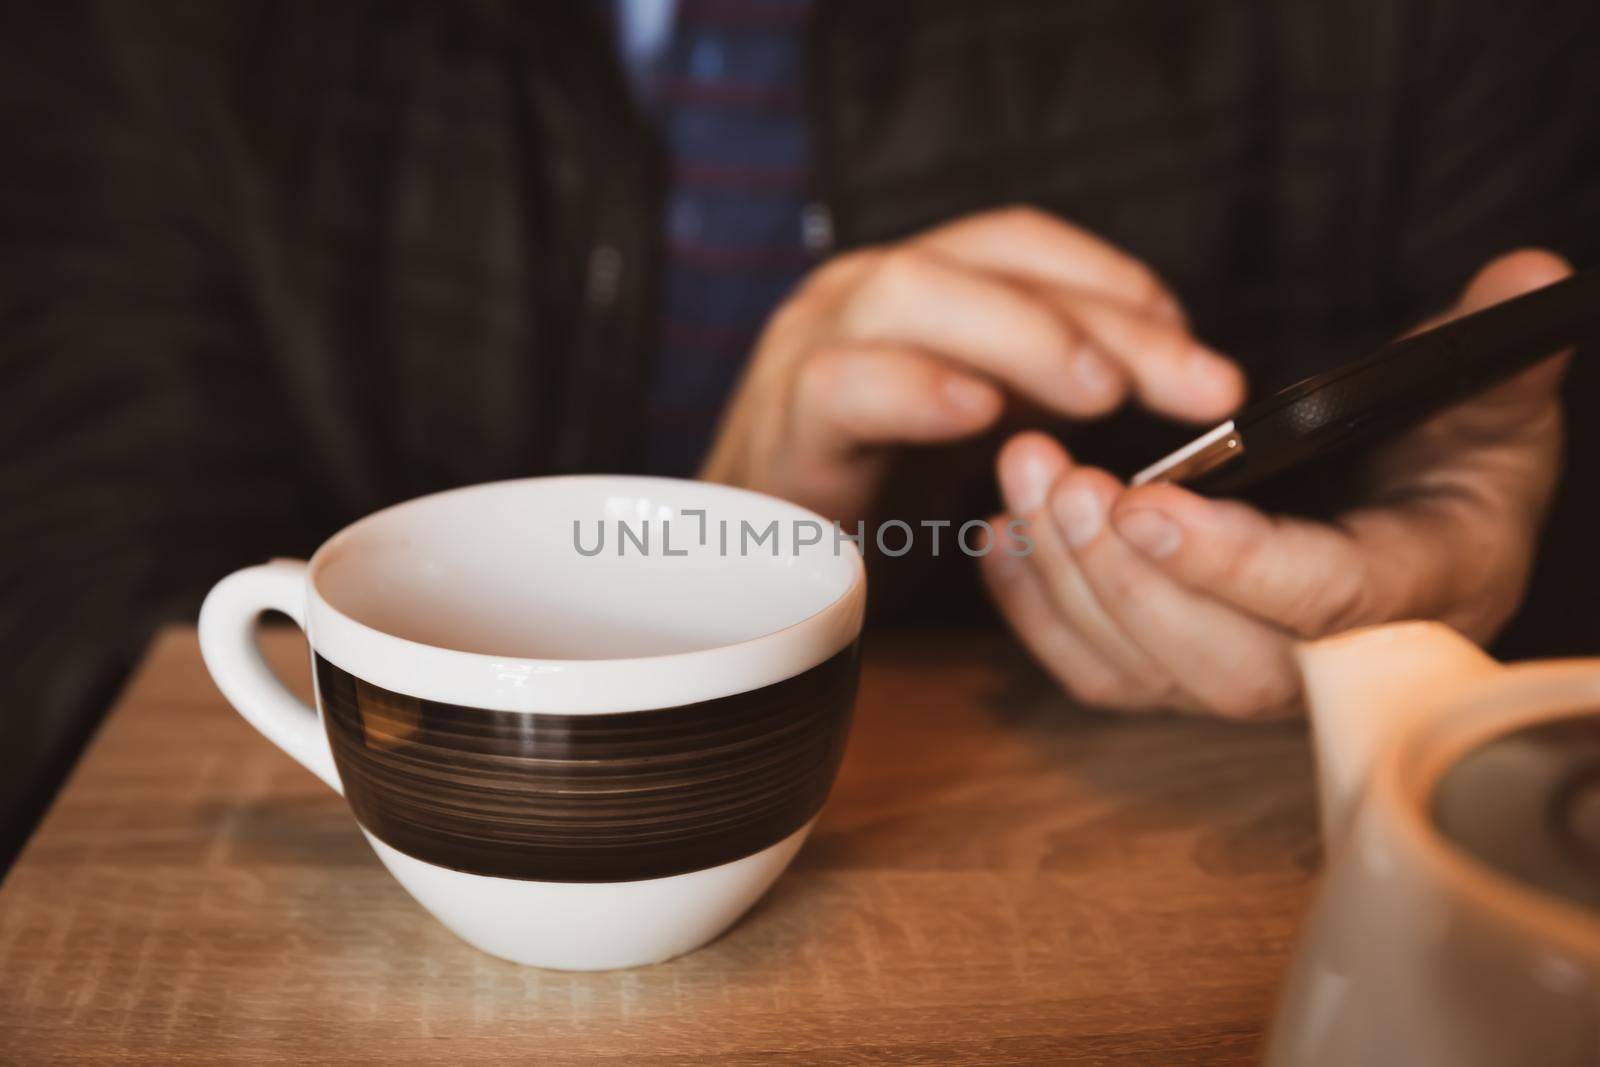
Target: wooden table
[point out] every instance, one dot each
(997, 879)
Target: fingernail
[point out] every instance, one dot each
(1168, 309)
(1094, 377)
(1212, 374)
(1204, 363)
(967, 396)
(1002, 564)
(1150, 532)
(1026, 483)
(1079, 513)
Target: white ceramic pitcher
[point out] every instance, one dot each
(1421, 950)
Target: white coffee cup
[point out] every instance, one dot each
(573, 758)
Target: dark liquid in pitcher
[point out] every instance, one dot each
(1528, 804)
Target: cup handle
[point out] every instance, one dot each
(228, 645)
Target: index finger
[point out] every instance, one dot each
(1028, 243)
(909, 297)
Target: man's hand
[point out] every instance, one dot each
(923, 342)
(1155, 597)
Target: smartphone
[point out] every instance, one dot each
(1381, 394)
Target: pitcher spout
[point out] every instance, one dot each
(1364, 685)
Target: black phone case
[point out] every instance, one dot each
(1400, 385)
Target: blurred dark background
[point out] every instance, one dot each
(268, 266)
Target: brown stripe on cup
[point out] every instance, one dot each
(589, 798)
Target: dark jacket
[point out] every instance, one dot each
(265, 267)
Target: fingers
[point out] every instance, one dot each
(853, 395)
(1511, 275)
(1503, 278)
(1462, 559)
(1229, 663)
(1029, 465)
(1028, 243)
(1444, 534)
(911, 298)
(1170, 372)
(1398, 560)
(1116, 299)
(1099, 664)
(1027, 608)
(1074, 352)
(1132, 591)
(1114, 629)
(1308, 577)
(1499, 280)
(1144, 683)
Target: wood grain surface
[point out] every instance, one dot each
(996, 879)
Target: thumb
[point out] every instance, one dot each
(1503, 410)
(1507, 276)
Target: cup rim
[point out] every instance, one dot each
(580, 686)
(1408, 773)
